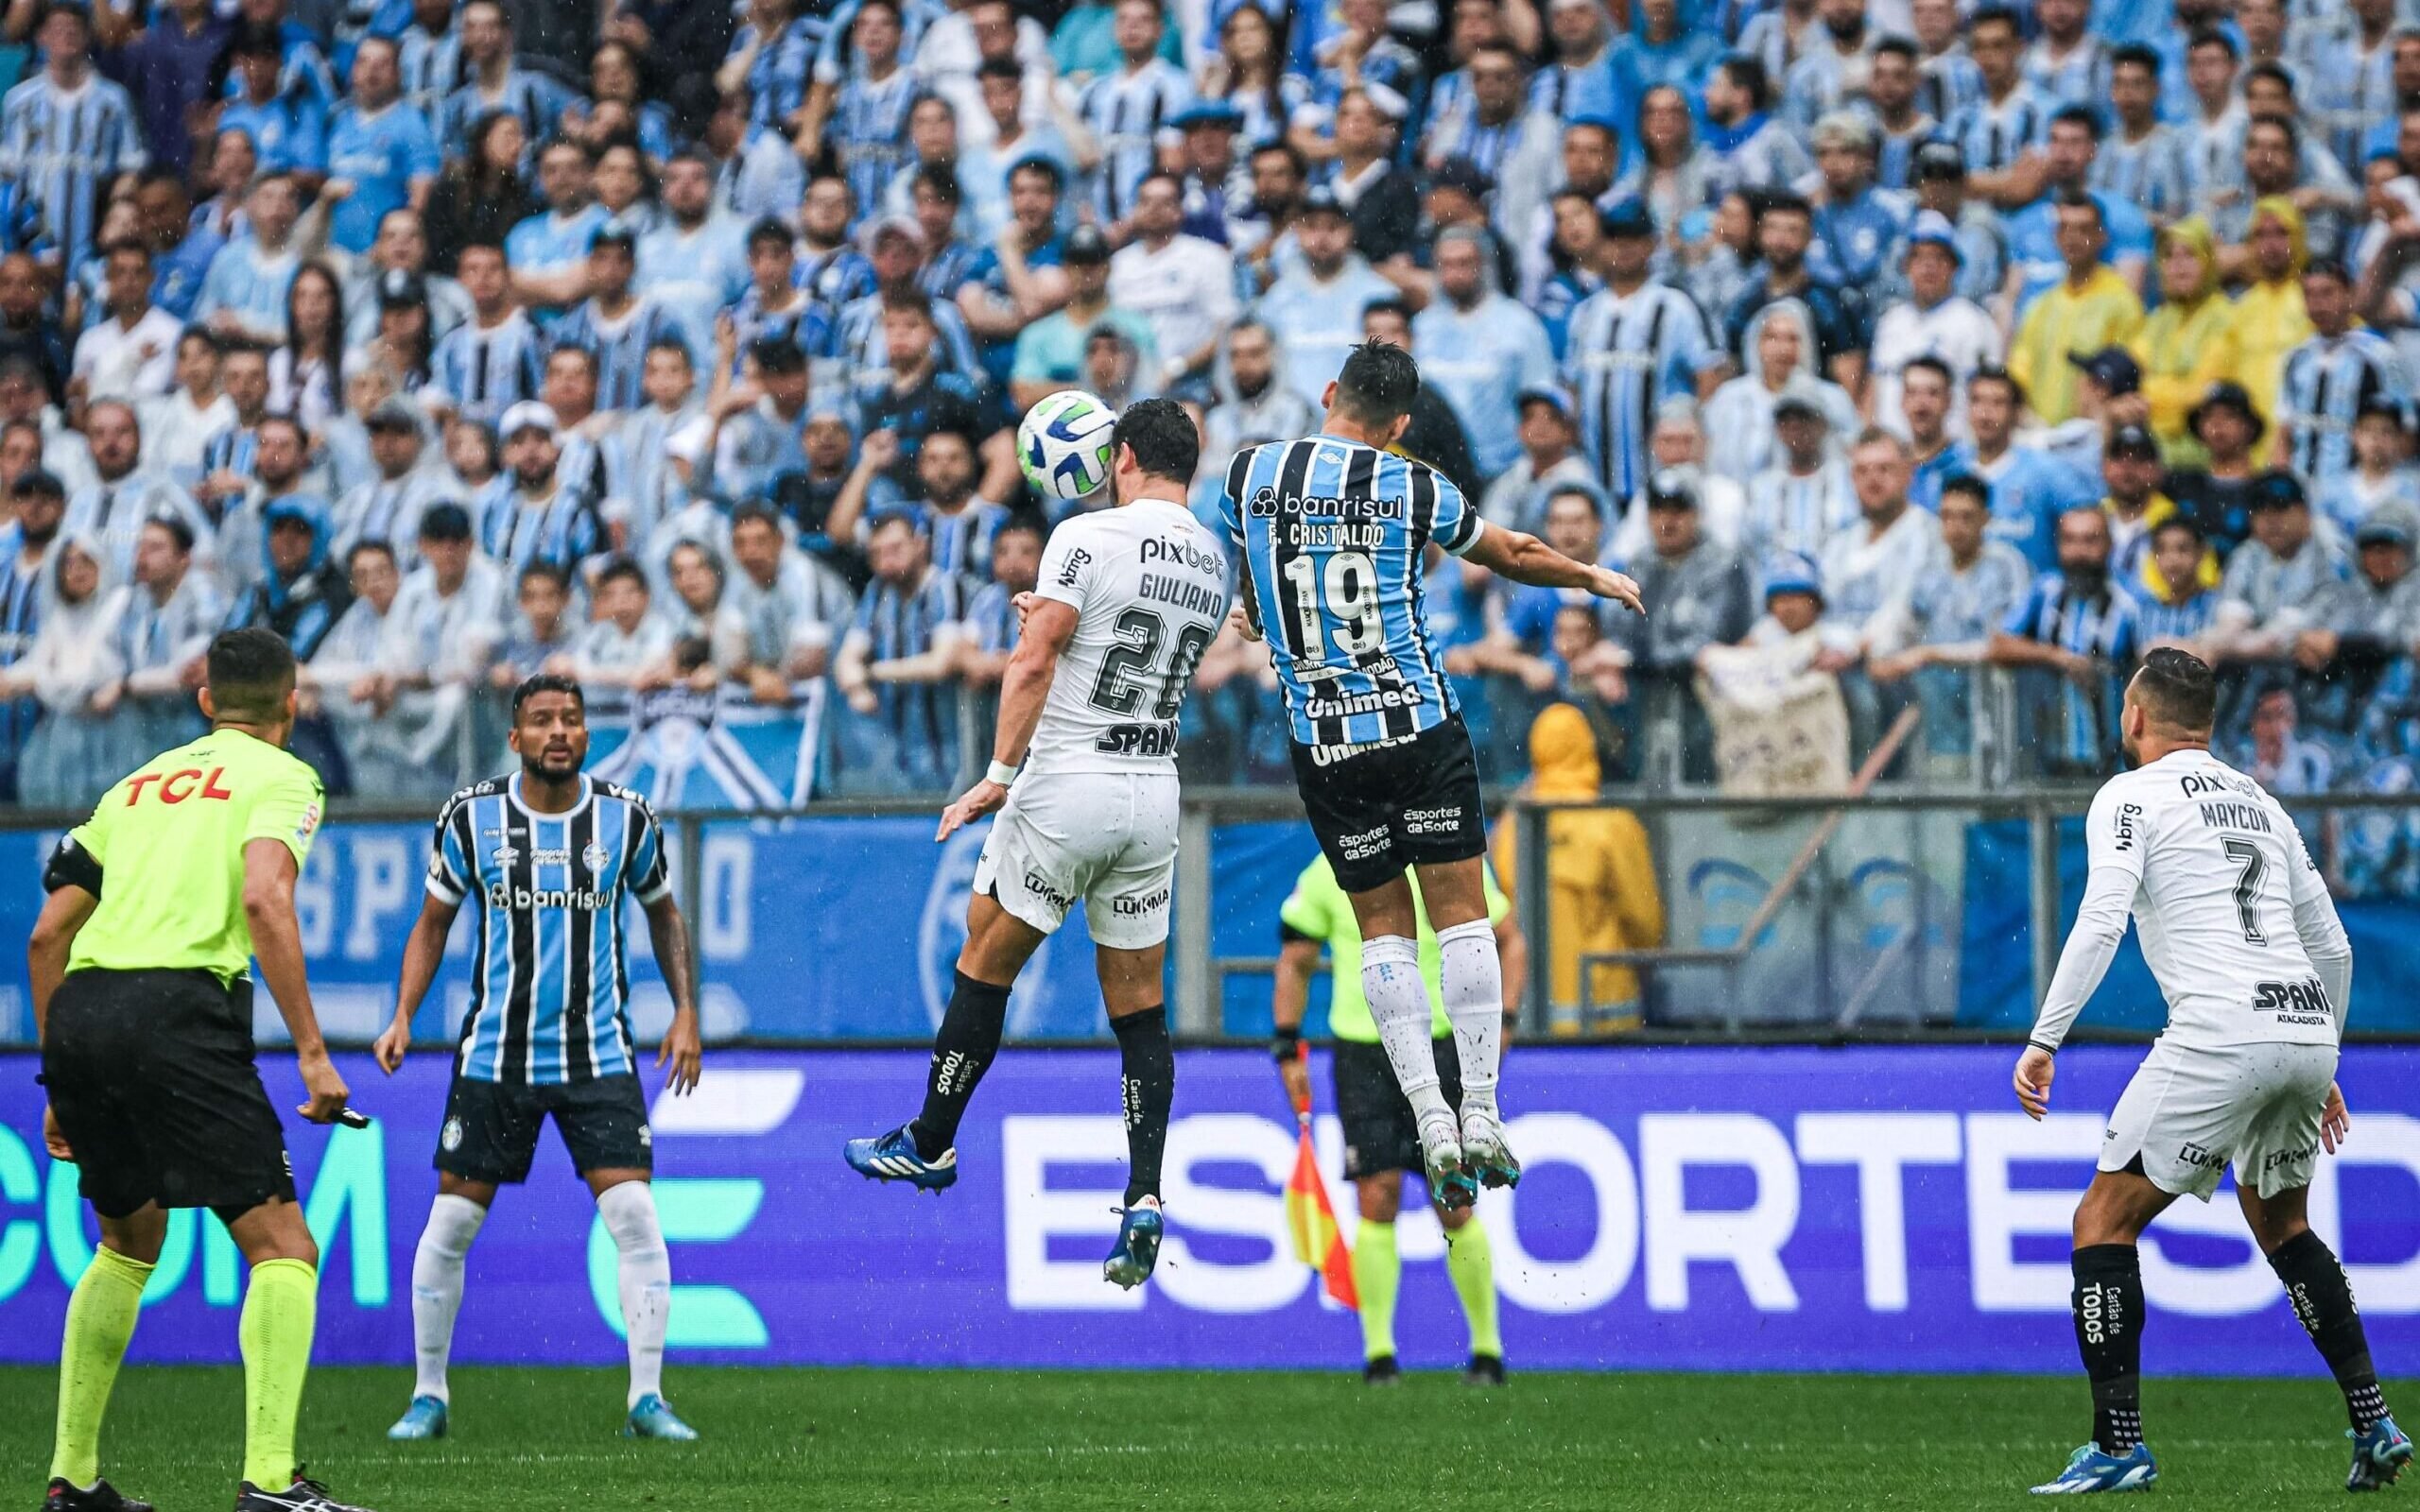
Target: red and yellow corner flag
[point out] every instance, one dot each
(1318, 1242)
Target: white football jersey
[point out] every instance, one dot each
(2221, 877)
(1148, 585)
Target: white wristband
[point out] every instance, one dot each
(1000, 772)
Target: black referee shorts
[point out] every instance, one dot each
(150, 1074)
(1380, 1134)
(1379, 808)
(491, 1130)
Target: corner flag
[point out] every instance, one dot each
(1318, 1243)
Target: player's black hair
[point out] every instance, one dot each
(1897, 47)
(1989, 15)
(2212, 37)
(546, 682)
(1166, 444)
(445, 522)
(674, 345)
(2178, 522)
(250, 673)
(1972, 487)
(1377, 383)
(2177, 689)
(1042, 165)
(1008, 68)
(2072, 198)
(771, 230)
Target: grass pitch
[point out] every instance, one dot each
(1071, 1442)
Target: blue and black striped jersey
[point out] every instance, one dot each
(1331, 535)
(550, 986)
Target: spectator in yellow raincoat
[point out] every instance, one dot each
(2269, 317)
(1599, 872)
(2189, 343)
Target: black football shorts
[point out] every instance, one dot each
(151, 1077)
(490, 1128)
(1381, 807)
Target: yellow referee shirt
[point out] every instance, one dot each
(170, 842)
(2069, 321)
(1321, 909)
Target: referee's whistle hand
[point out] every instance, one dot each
(326, 1087)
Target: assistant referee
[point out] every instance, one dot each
(145, 1009)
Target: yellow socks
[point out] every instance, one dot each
(280, 1310)
(101, 1320)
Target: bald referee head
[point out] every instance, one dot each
(1371, 399)
(248, 683)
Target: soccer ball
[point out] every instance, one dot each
(1063, 444)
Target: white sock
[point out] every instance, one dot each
(1399, 1004)
(437, 1287)
(1472, 982)
(646, 1280)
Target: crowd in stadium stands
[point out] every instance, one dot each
(682, 346)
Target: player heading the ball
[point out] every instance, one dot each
(1084, 778)
(1332, 530)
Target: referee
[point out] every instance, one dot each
(145, 1011)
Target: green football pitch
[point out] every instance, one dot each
(1065, 1442)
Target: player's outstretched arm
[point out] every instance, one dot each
(1524, 558)
(1049, 625)
(423, 953)
(269, 872)
(683, 1046)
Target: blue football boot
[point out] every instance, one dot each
(1138, 1245)
(423, 1419)
(893, 1157)
(2089, 1470)
(2378, 1455)
(653, 1417)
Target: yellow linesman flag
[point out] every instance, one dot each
(1318, 1242)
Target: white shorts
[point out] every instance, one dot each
(1106, 838)
(2189, 1112)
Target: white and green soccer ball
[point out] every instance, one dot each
(1063, 444)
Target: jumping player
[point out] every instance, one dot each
(2240, 932)
(545, 858)
(1332, 529)
(1083, 777)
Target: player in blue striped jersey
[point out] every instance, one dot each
(548, 860)
(65, 133)
(1331, 530)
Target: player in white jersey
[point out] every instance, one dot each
(2238, 930)
(1084, 778)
